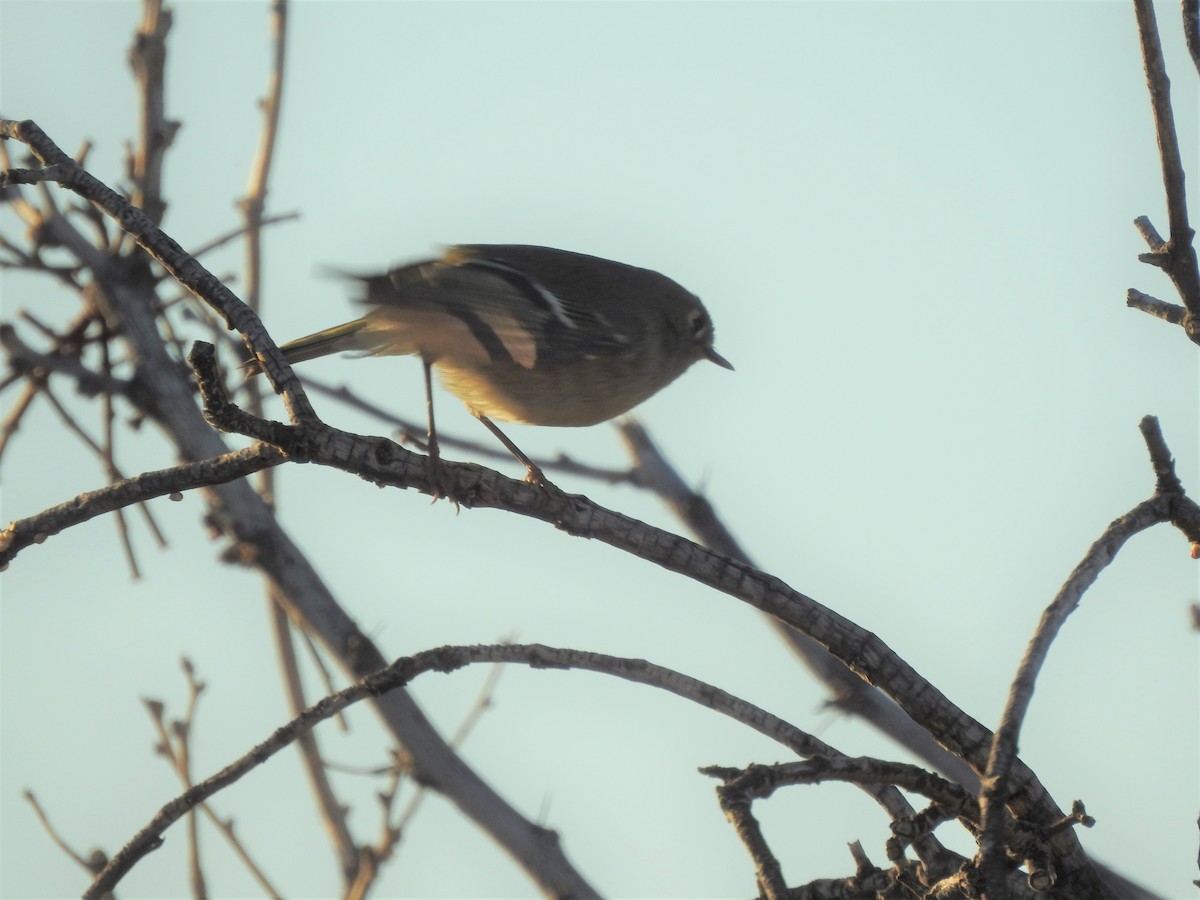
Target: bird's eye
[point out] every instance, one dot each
(700, 324)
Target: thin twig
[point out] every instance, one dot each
(26, 359)
(13, 420)
(233, 234)
(163, 482)
(57, 166)
(175, 745)
(482, 702)
(96, 860)
(114, 474)
(332, 812)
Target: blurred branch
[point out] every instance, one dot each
(241, 231)
(12, 422)
(390, 833)
(96, 860)
(174, 744)
(332, 812)
(148, 57)
(482, 703)
(114, 474)
(25, 359)
(254, 203)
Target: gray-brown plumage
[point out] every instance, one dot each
(529, 334)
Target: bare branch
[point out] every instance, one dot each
(332, 811)
(1168, 312)
(242, 516)
(1177, 256)
(741, 787)
(148, 57)
(174, 744)
(383, 462)
(95, 861)
(767, 871)
(25, 359)
(12, 422)
(448, 659)
(256, 192)
(853, 695)
(162, 482)
(114, 474)
(61, 168)
(1165, 506)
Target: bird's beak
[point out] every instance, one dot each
(716, 357)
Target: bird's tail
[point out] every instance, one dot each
(321, 343)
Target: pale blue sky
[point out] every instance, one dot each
(911, 223)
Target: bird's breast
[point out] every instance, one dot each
(584, 392)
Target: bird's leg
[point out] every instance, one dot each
(437, 473)
(431, 443)
(533, 472)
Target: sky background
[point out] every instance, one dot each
(912, 225)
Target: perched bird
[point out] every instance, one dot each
(528, 334)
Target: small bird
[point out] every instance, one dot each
(527, 334)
